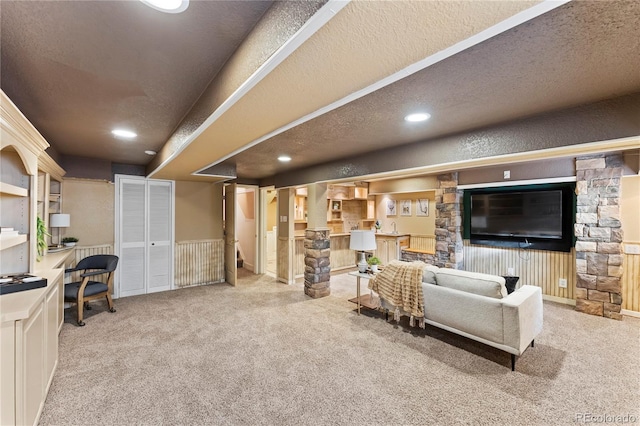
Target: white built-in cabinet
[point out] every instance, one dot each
(144, 235)
(389, 247)
(29, 320)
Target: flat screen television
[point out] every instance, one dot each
(535, 216)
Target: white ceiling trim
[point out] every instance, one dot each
(518, 182)
(482, 36)
(317, 21)
(599, 147)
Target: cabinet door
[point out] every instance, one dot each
(381, 250)
(8, 373)
(51, 334)
(160, 236)
(30, 380)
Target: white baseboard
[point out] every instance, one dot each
(557, 299)
(572, 302)
(630, 313)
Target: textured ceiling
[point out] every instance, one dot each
(77, 69)
(579, 53)
(365, 42)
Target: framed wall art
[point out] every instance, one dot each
(405, 208)
(391, 208)
(422, 207)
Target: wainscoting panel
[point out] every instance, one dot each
(631, 282)
(298, 260)
(199, 262)
(341, 256)
(84, 251)
(534, 267)
(424, 243)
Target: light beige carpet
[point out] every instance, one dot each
(264, 353)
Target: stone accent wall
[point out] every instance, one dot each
(412, 256)
(449, 244)
(317, 264)
(599, 235)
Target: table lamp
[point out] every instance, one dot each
(59, 220)
(362, 241)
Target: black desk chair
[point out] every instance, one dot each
(88, 289)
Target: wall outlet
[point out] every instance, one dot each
(511, 272)
(507, 174)
(562, 283)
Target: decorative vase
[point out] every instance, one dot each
(374, 269)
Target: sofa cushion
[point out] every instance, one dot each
(429, 274)
(472, 282)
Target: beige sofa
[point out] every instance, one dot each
(477, 306)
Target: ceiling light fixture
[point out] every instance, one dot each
(122, 133)
(149, 152)
(284, 158)
(419, 116)
(168, 6)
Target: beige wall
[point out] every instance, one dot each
(630, 207)
(90, 203)
(198, 211)
(407, 224)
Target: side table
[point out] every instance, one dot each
(365, 300)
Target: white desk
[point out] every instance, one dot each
(367, 300)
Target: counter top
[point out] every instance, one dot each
(20, 305)
(389, 234)
(53, 260)
(341, 234)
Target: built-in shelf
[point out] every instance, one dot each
(8, 189)
(8, 242)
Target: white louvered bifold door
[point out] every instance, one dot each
(144, 236)
(132, 233)
(160, 230)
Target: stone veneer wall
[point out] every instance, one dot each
(599, 235)
(317, 263)
(412, 256)
(449, 244)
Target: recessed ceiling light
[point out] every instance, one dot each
(420, 116)
(122, 133)
(168, 6)
(284, 158)
(149, 152)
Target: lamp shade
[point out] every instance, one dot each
(362, 240)
(58, 220)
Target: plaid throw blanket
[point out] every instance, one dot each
(400, 283)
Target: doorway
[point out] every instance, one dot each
(246, 224)
(270, 229)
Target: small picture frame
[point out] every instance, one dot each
(391, 208)
(422, 207)
(405, 208)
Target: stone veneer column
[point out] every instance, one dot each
(449, 246)
(599, 235)
(317, 265)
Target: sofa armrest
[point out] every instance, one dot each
(522, 316)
